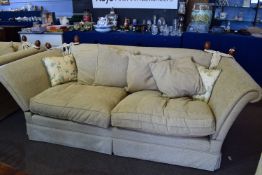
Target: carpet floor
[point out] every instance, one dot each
(241, 152)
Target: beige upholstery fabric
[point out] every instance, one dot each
(177, 78)
(86, 61)
(80, 103)
(148, 111)
(86, 57)
(232, 85)
(26, 77)
(8, 47)
(139, 75)
(112, 67)
(10, 57)
(60, 69)
(200, 57)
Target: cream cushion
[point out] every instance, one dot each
(60, 69)
(149, 111)
(209, 77)
(112, 66)
(86, 61)
(177, 78)
(139, 75)
(80, 103)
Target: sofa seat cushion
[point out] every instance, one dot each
(150, 112)
(79, 103)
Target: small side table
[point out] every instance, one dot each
(259, 167)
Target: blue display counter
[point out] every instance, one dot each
(124, 38)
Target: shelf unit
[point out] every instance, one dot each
(239, 17)
(7, 18)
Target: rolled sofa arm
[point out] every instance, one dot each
(10, 57)
(233, 90)
(26, 77)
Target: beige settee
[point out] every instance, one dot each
(97, 113)
(12, 51)
(9, 52)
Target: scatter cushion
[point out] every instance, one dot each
(60, 69)
(148, 111)
(79, 103)
(177, 78)
(26, 45)
(112, 66)
(86, 61)
(209, 77)
(139, 76)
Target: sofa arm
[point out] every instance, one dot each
(26, 77)
(10, 57)
(233, 90)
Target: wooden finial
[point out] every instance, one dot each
(48, 45)
(207, 45)
(37, 44)
(76, 39)
(232, 51)
(24, 38)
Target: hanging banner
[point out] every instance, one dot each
(144, 4)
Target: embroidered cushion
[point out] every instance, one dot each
(60, 69)
(209, 77)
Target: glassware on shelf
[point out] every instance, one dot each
(166, 30)
(201, 17)
(175, 24)
(149, 25)
(154, 19)
(112, 17)
(154, 29)
(182, 8)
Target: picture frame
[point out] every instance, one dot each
(4, 2)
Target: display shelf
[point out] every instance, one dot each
(230, 6)
(8, 17)
(241, 17)
(233, 20)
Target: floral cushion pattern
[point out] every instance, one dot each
(209, 77)
(60, 69)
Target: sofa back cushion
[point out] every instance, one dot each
(198, 56)
(177, 78)
(86, 61)
(111, 66)
(139, 75)
(107, 64)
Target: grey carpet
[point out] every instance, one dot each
(241, 152)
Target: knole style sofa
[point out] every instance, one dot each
(9, 52)
(12, 51)
(98, 112)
